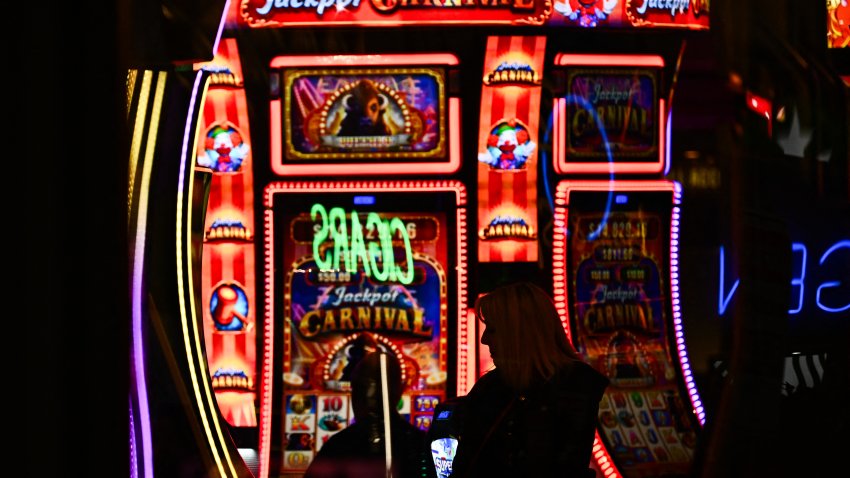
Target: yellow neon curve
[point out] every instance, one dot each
(138, 130)
(201, 360)
(131, 88)
(181, 294)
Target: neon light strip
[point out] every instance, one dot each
(662, 136)
(668, 161)
(603, 459)
(220, 28)
(360, 168)
(684, 362)
(138, 135)
(358, 60)
(466, 372)
(200, 358)
(571, 59)
(131, 88)
(559, 139)
(268, 347)
(340, 186)
(138, 266)
(181, 242)
(134, 460)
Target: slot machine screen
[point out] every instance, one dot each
(354, 272)
(365, 114)
(621, 321)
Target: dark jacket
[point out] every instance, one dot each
(358, 451)
(547, 431)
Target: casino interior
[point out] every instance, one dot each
(283, 184)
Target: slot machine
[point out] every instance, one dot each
(354, 265)
(615, 264)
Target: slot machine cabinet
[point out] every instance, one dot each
(615, 260)
(361, 263)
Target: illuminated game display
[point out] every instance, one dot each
(612, 118)
(615, 260)
(621, 286)
(397, 113)
(381, 115)
(359, 267)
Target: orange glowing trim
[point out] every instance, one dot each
(361, 60)
(662, 136)
(560, 139)
(360, 169)
(571, 59)
(454, 136)
(563, 166)
(603, 459)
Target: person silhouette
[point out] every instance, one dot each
(359, 450)
(535, 414)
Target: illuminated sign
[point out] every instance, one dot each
(829, 294)
(261, 13)
(512, 74)
(377, 257)
(579, 13)
(668, 13)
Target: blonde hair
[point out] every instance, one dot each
(529, 341)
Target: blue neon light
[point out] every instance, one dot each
(621, 199)
(798, 281)
(845, 244)
(364, 200)
(722, 302)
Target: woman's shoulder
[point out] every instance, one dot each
(488, 383)
(580, 376)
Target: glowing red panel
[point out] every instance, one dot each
(227, 280)
(507, 149)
